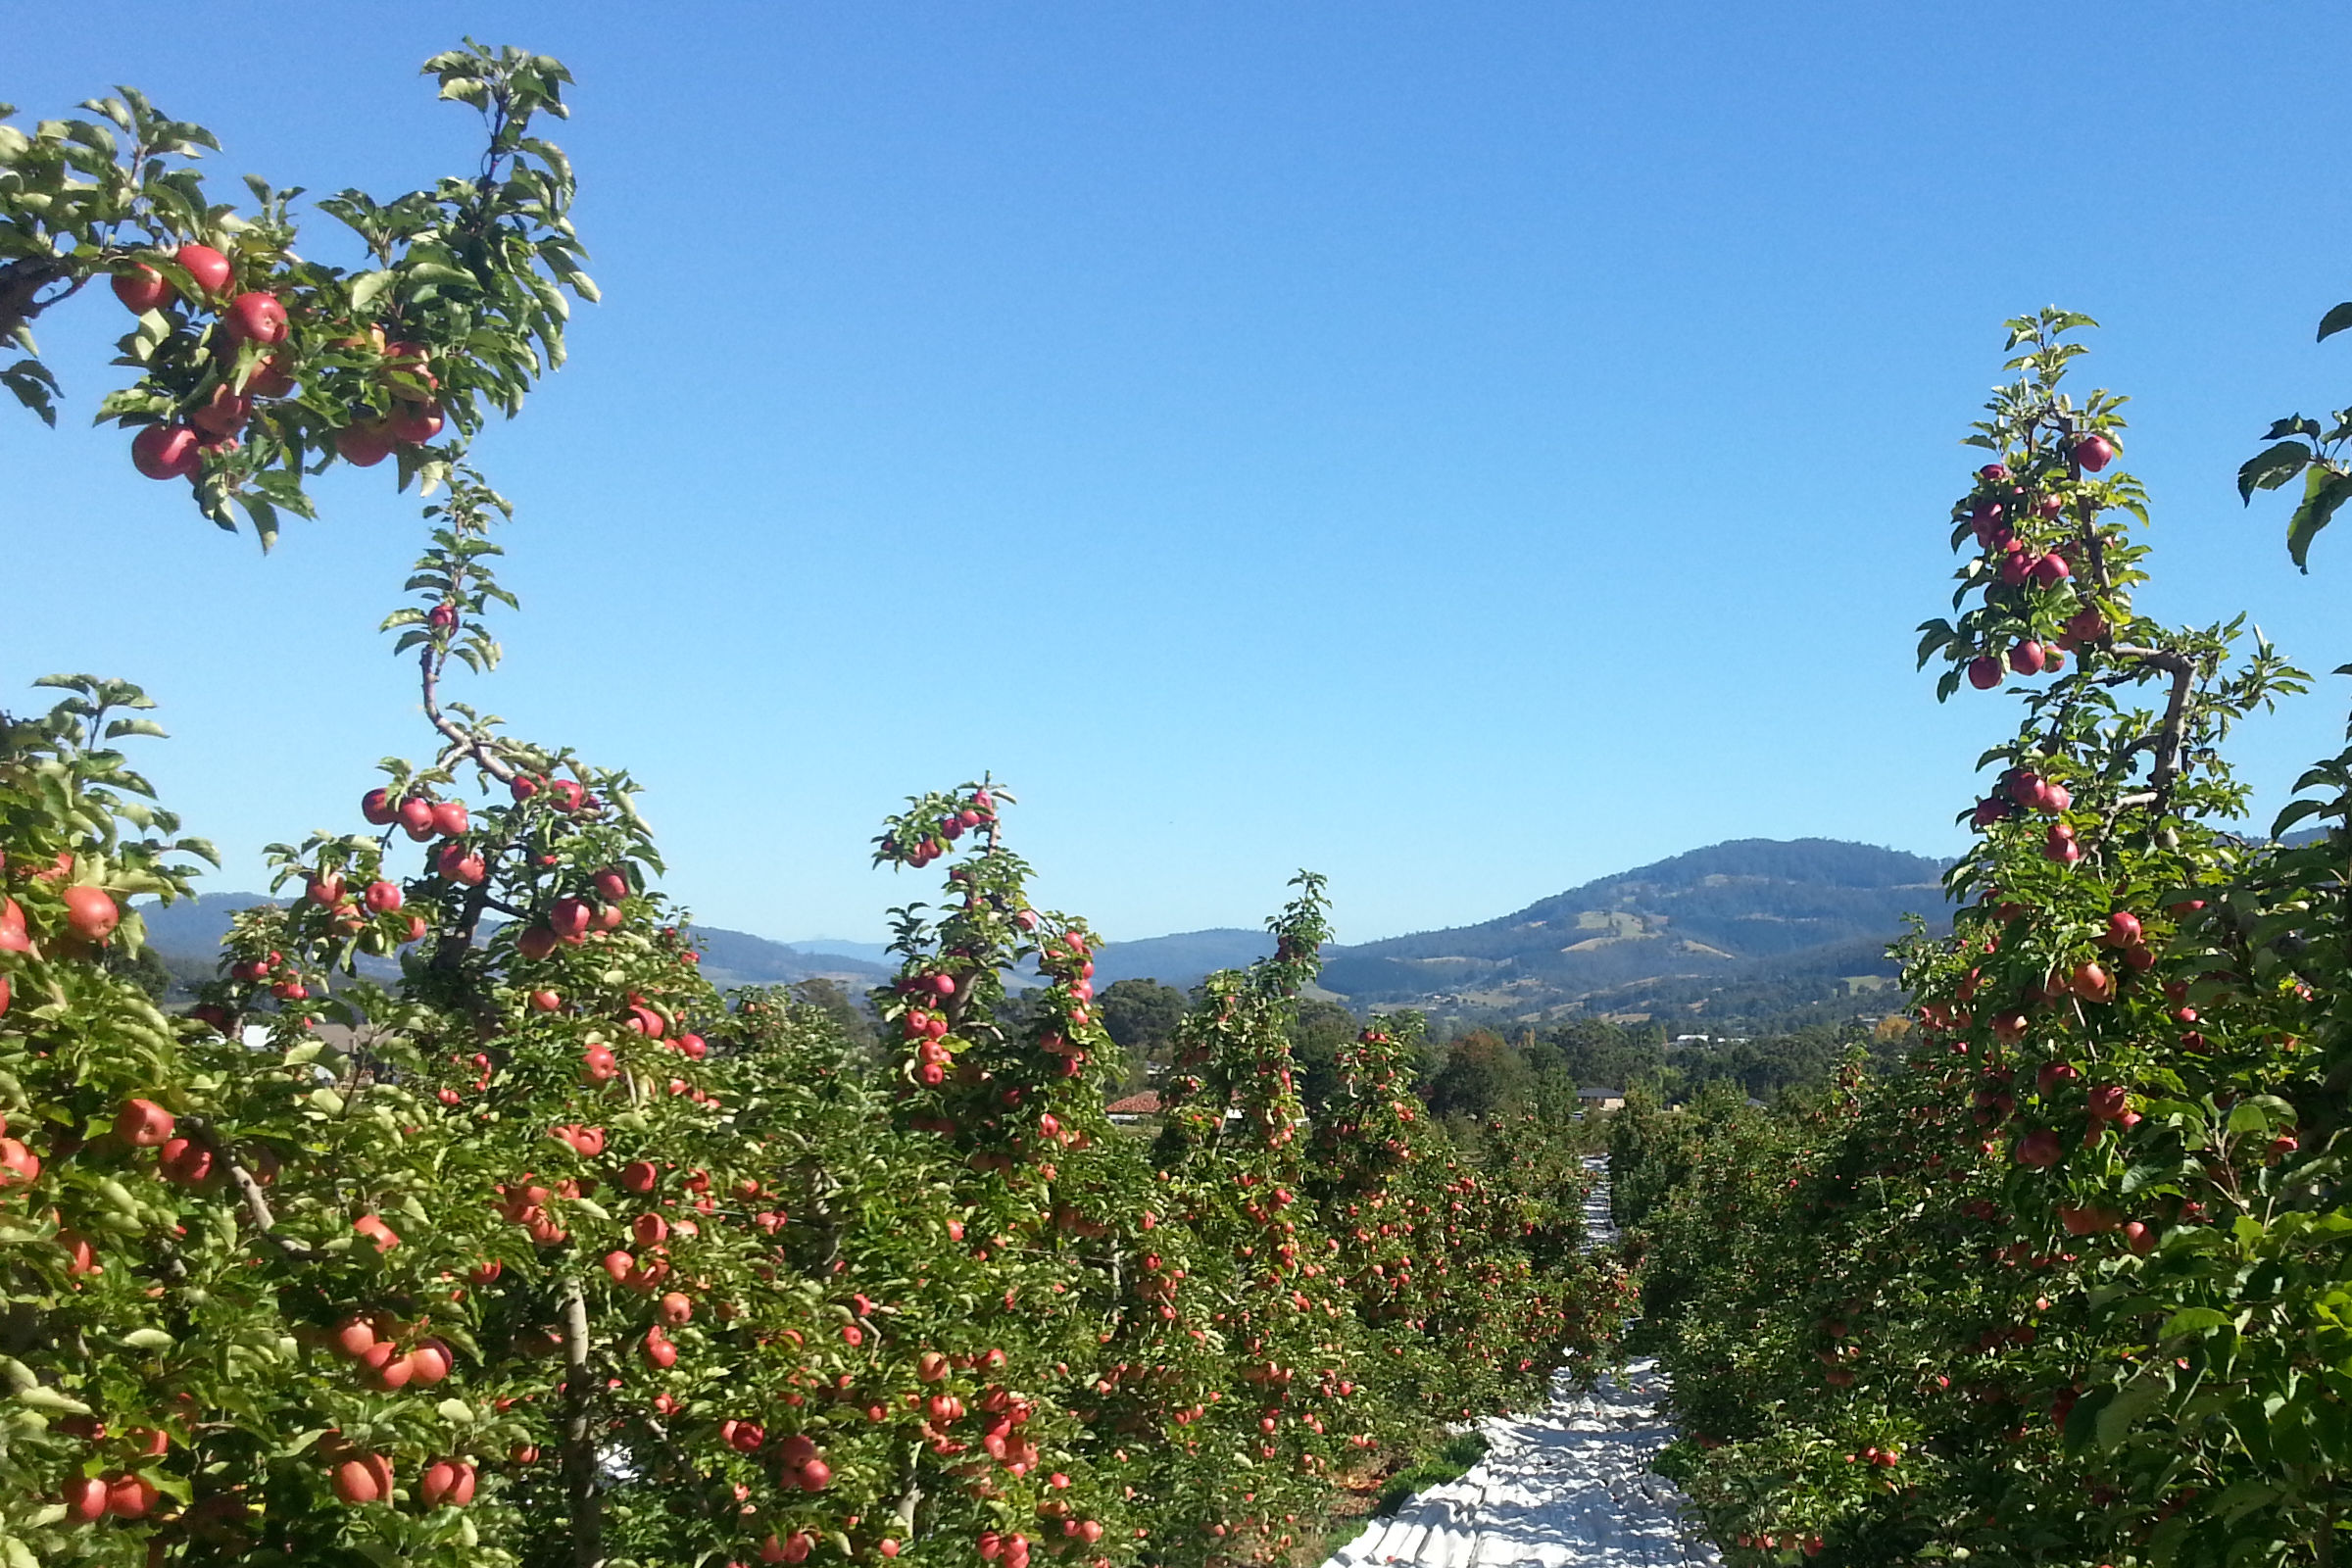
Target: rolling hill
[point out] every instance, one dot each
(1734, 915)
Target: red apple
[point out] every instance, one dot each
(223, 414)
(363, 445)
(413, 424)
(447, 1481)
(569, 918)
(256, 318)
(377, 808)
(166, 452)
(130, 1496)
(373, 1227)
(546, 1001)
(85, 1500)
(660, 1352)
(450, 819)
(355, 1337)
(185, 1163)
(1984, 672)
(430, 1362)
(207, 266)
(141, 288)
(2095, 452)
(2027, 657)
(270, 378)
(675, 1309)
(536, 943)
(381, 898)
(2039, 1148)
(417, 818)
(143, 1124)
(2123, 929)
(2051, 570)
(364, 1478)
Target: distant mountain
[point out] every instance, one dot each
(1750, 930)
(187, 936)
(874, 953)
(1747, 914)
(1181, 960)
(194, 928)
(739, 958)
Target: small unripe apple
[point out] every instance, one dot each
(166, 452)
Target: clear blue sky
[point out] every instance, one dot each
(1465, 450)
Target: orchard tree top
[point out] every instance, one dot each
(255, 368)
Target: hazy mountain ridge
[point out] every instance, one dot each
(1742, 925)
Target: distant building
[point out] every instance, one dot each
(1601, 1098)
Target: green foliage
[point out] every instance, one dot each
(2062, 1286)
(456, 311)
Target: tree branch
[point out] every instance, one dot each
(2167, 766)
(579, 1442)
(250, 1195)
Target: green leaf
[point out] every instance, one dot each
(2335, 321)
(2324, 490)
(148, 1339)
(457, 1412)
(2272, 467)
(368, 287)
(2192, 1320)
(2132, 1402)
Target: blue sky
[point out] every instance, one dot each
(1465, 450)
